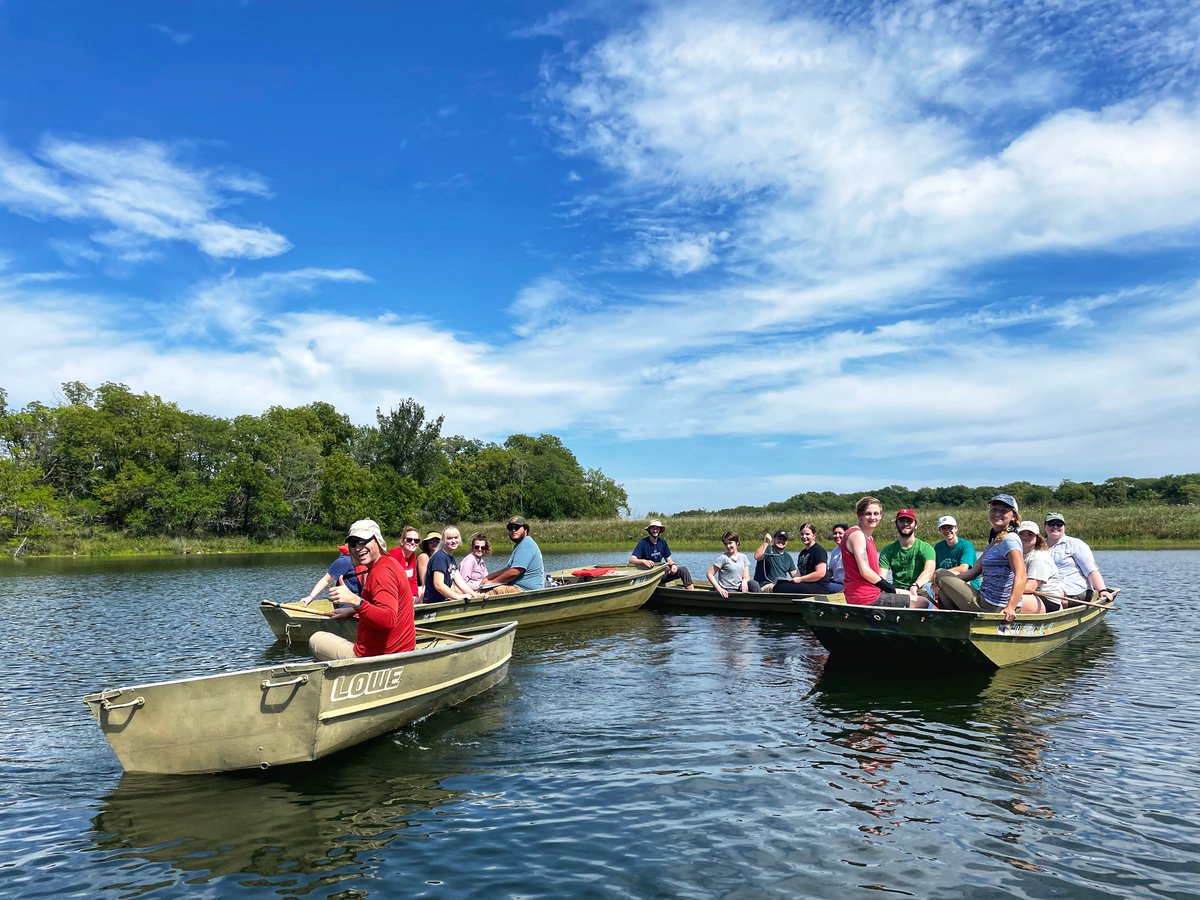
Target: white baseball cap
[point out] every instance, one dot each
(947, 520)
(1029, 525)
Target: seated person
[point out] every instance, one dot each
(865, 585)
(778, 567)
(731, 571)
(652, 550)
(342, 568)
(1077, 569)
(953, 552)
(384, 610)
(812, 567)
(837, 567)
(445, 581)
(524, 570)
(910, 559)
(474, 567)
(1041, 574)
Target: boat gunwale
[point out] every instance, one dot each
(306, 667)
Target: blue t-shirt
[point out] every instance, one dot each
(443, 562)
(997, 571)
(528, 556)
(342, 567)
(656, 552)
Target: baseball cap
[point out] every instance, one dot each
(906, 514)
(947, 520)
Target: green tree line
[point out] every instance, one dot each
(108, 458)
(1179, 490)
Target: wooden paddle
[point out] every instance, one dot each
(443, 634)
(297, 608)
(1059, 598)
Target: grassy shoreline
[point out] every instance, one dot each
(1148, 527)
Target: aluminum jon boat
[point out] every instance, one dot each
(738, 603)
(593, 591)
(925, 638)
(295, 711)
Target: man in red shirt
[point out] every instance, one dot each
(385, 609)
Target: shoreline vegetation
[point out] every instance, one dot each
(1133, 527)
(109, 472)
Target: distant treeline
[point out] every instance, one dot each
(1178, 490)
(110, 459)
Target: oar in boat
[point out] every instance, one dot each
(443, 634)
(1059, 598)
(325, 615)
(296, 608)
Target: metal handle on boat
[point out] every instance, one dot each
(299, 679)
(287, 631)
(136, 701)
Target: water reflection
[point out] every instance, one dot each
(966, 730)
(325, 821)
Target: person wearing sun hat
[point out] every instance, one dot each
(384, 610)
(652, 550)
(428, 547)
(1077, 569)
(1002, 566)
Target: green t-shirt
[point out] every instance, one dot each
(906, 565)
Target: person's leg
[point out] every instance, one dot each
(685, 577)
(892, 601)
(325, 647)
(752, 586)
(954, 593)
(504, 589)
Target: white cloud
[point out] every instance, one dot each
(139, 194)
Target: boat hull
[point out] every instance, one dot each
(294, 712)
(736, 604)
(626, 588)
(922, 638)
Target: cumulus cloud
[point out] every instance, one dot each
(139, 193)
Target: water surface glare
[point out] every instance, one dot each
(642, 754)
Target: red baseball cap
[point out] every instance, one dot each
(906, 514)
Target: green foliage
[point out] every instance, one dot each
(409, 444)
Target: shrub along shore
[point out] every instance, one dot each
(1132, 527)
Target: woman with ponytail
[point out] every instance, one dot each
(1002, 565)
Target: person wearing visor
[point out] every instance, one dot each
(524, 570)
(384, 610)
(1077, 570)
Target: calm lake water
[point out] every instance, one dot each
(639, 755)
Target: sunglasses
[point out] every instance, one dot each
(479, 547)
(1056, 524)
(515, 527)
(355, 542)
(411, 541)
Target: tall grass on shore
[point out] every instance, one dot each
(1152, 527)
(1157, 527)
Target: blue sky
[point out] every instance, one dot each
(728, 252)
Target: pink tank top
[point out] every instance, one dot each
(858, 590)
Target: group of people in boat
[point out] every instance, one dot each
(381, 587)
(1019, 571)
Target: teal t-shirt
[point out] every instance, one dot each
(906, 565)
(961, 554)
(777, 565)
